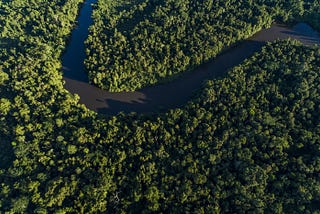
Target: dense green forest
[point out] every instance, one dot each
(134, 44)
(248, 143)
(33, 102)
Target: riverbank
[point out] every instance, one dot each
(180, 91)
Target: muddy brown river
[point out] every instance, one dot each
(169, 95)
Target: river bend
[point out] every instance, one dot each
(169, 95)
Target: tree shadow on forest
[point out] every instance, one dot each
(126, 26)
(6, 153)
(8, 43)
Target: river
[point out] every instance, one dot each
(169, 95)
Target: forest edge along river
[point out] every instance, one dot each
(168, 95)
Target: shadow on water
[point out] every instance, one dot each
(168, 95)
(304, 37)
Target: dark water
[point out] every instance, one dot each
(72, 60)
(170, 95)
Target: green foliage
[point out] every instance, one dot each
(247, 143)
(144, 42)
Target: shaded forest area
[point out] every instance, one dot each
(248, 143)
(134, 44)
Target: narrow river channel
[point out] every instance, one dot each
(169, 95)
